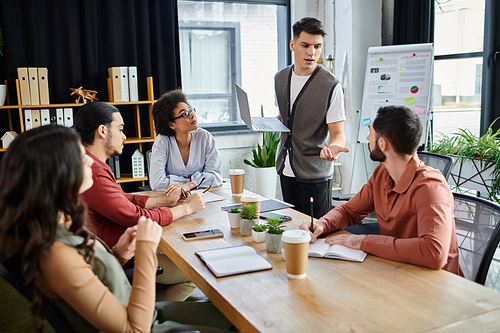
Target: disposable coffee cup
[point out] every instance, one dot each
(237, 177)
(296, 243)
(252, 199)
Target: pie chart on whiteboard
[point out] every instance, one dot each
(414, 89)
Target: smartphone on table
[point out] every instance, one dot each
(204, 234)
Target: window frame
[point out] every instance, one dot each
(235, 128)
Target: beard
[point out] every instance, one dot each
(376, 154)
(109, 145)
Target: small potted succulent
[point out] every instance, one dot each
(259, 232)
(234, 217)
(275, 229)
(248, 219)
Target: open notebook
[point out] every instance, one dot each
(233, 260)
(320, 249)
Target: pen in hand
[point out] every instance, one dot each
(312, 223)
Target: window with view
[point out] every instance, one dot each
(223, 43)
(458, 65)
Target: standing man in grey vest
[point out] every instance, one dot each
(311, 105)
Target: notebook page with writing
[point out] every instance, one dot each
(321, 249)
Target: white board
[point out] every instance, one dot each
(397, 75)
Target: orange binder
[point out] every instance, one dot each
(43, 85)
(33, 75)
(24, 85)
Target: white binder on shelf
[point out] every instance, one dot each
(132, 84)
(34, 93)
(24, 85)
(114, 75)
(27, 119)
(35, 117)
(45, 116)
(68, 117)
(60, 117)
(43, 85)
(124, 83)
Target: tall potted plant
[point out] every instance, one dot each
(476, 160)
(264, 177)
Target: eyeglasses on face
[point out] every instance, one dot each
(185, 114)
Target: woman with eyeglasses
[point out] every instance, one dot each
(43, 241)
(183, 154)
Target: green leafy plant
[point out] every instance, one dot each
(259, 227)
(275, 226)
(265, 155)
(249, 212)
(465, 145)
(234, 210)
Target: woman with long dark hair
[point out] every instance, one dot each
(44, 240)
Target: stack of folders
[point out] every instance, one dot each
(34, 86)
(124, 84)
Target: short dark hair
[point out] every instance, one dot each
(90, 116)
(401, 126)
(310, 25)
(163, 110)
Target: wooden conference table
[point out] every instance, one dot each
(377, 295)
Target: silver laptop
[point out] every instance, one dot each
(257, 124)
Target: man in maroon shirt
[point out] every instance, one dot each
(412, 201)
(111, 211)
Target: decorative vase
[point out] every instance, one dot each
(274, 244)
(246, 226)
(259, 237)
(3, 94)
(234, 220)
(264, 181)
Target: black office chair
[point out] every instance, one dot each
(477, 224)
(441, 162)
(55, 317)
(148, 167)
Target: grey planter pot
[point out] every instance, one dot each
(246, 226)
(274, 244)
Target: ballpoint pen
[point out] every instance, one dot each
(312, 225)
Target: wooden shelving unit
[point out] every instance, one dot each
(137, 139)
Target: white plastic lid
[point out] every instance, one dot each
(250, 198)
(296, 236)
(236, 171)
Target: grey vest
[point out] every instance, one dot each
(307, 123)
(108, 270)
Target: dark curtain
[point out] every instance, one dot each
(77, 40)
(490, 99)
(413, 21)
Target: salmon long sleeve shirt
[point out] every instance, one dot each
(415, 217)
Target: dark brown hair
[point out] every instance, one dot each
(401, 126)
(40, 177)
(163, 110)
(310, 25)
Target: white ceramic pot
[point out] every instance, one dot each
(274, 244)
(259, 237)
(234, 220)
(3, 94)
(264, 181)
(246, 227)
(472, 175)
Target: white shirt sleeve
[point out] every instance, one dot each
(336, 112)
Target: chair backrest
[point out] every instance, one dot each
(53, 314)
(148, 166)
(441, 162)
(478, 234)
